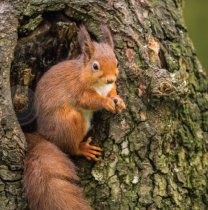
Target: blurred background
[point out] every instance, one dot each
(196, 18)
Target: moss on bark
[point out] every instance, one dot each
(155, 153)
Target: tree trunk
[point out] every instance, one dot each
(11, 137)
(155, 152)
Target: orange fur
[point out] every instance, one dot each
(65, 98)
(49, 178)
(66, 89)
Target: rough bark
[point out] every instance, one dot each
(11, 137)
(155, 153)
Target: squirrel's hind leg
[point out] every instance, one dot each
(89, 151)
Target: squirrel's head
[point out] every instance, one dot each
(100, 63)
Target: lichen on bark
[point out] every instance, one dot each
(155, 152)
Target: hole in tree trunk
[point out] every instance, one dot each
(43, 41)
(53, 40)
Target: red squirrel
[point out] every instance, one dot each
(65, 98)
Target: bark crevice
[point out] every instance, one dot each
(156, 151)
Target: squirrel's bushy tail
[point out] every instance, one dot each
(49, 178)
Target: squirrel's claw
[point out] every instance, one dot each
(89, 151)
(110, 105)
(120, 105)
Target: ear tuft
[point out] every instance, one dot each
(85, 43)
(107, 37)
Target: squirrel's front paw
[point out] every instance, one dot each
(120, 105)
(110, 105)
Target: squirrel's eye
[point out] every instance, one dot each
(95, 66)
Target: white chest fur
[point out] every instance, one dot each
(103, 89)
(87, 114)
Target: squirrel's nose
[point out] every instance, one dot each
(110, 81)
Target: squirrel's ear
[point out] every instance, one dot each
(107, 37)
(85, 43)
